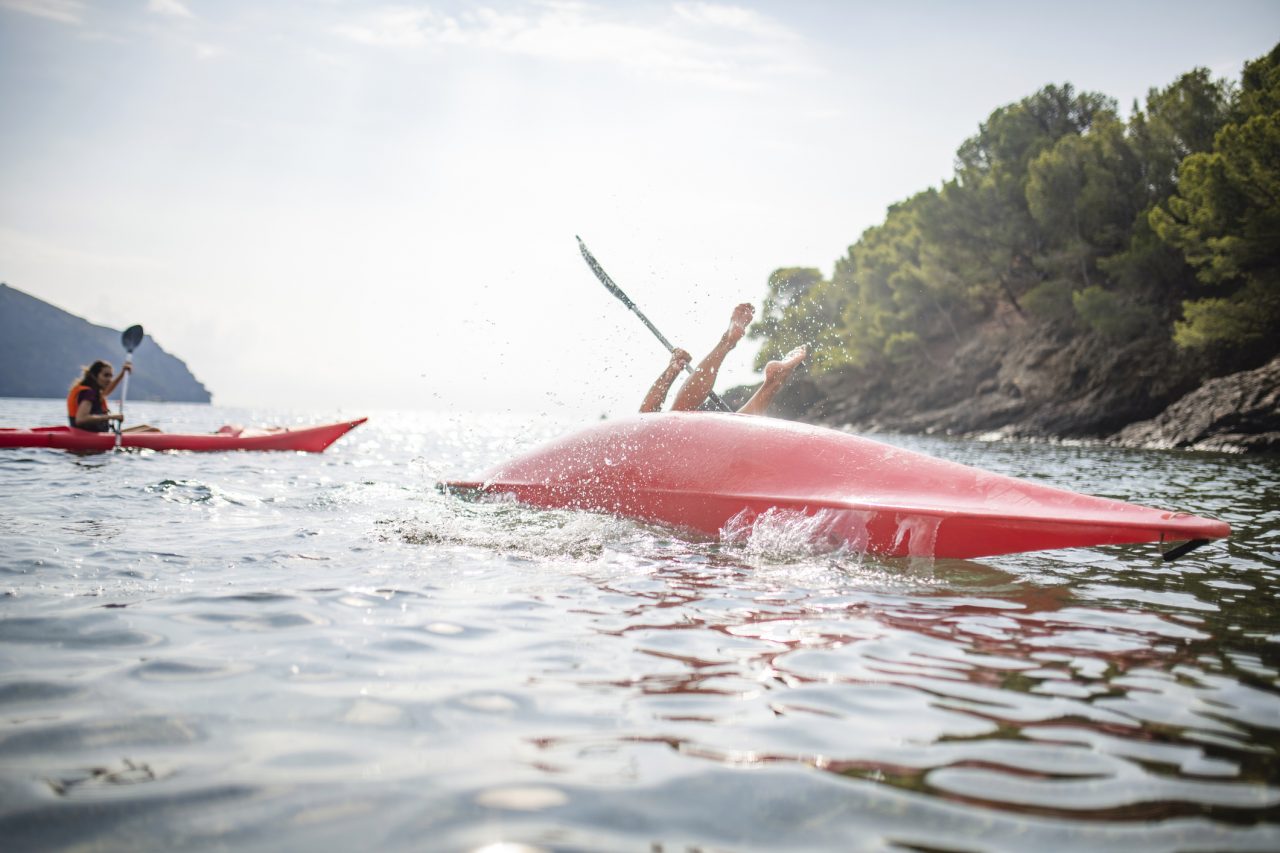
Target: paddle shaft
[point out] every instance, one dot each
(131, 337)
(124, 391)
(124, 384)
(626, 300)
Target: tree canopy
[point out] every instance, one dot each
(1063, 213)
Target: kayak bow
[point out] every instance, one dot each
(716, 473)
(306, 439)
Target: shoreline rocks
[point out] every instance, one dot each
(1015, 380)
(1239, 413)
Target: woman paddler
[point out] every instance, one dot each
(87, 400)
(697, 387)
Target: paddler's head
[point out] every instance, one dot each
(98, 375)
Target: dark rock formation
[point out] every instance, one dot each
(1016, 379)
(1238, 413)
(43, 348)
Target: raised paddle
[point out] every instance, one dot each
(131, 337)
(626, 300)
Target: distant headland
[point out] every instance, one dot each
(43, 349)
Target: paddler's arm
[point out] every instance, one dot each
(114, 382)
(85, 418)
(658, 393)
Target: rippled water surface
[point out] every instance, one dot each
(292, 652)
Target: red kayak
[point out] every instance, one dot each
(307, 439)
(718, 473)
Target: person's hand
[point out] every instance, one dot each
(127, 368)
(679, 358)
(115, 416)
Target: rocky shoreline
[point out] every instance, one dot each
(1016, 380)
(1239, 413)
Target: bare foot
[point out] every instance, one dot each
(780, 371)
(776, 374)
(739, 321)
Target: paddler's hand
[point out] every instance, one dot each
(679, 358)
(126, 368)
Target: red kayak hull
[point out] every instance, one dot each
(707, 472)
(306, 439)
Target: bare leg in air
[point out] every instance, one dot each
(658, 393)
(776, 374)
(696, 388)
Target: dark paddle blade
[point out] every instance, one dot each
(1183, 549)
(131, 338)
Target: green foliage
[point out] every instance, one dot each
(1110, 314)
(1225, 218)
(1226, 214)
(1260, 86)
(1250, 315)
(1062, 212)
(1179, 121)
(787, 319)
(902, 345)
(986, 230)
(1051, 301)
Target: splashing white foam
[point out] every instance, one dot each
(784, 535)
(499, 523)
(920, 533)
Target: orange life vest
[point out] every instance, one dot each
(73, 401)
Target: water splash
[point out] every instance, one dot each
(920, 533)
(197, 492)
(499, 523)
(787, 535)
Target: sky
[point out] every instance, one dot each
(329, 205)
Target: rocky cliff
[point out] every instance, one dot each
(1236, 413)
(1016, 379)
(43, 348)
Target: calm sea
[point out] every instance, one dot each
(292, 652)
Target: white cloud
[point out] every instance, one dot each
(62, 11)
(399, 27)
(719, 45)
(172, 8)
(745, 21)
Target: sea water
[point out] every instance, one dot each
(279, 651)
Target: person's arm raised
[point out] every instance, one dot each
(115, 382)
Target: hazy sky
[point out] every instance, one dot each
(322, 204)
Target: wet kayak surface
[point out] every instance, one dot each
(719, 474)
(291, 651)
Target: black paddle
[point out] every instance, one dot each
(131, 337)
(626, 300)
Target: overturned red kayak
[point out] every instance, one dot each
(313, 439)
(713, 473)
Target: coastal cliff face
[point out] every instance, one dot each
(1013, 379)
(1236, 413)
(43, 348)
